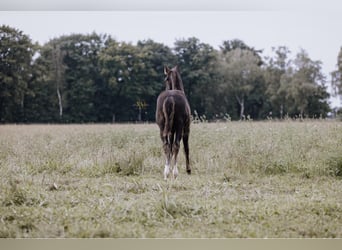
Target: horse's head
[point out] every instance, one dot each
(173, 79)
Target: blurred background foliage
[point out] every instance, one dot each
(81, 78)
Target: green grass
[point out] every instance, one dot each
(250, 179)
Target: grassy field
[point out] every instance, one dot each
(250, 179)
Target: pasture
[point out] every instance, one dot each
(249, 179)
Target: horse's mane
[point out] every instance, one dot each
(179, 81)
(176, 82)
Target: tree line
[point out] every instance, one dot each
(94, 78)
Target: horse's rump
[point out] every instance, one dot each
(172, 106)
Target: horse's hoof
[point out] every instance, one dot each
(188, 171)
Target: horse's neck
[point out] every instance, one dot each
(179, 83)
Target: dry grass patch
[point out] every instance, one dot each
(250, 179)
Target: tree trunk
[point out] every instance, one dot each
(242, 110)
(241, 101)
(281, 111)
(139, 115)
(59, 72)
(60, 102)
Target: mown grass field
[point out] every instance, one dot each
(250, 179)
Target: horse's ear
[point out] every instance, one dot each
(176, 68)
(166, 70)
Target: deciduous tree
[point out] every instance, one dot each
(16, 56)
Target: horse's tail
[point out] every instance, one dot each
(169, 113)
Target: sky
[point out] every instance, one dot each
(316, 28)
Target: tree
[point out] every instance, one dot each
(304, 84)
(197, 63)
(317, 103)
(275, 71)
(16, 53)
(59, 68)
(230, 45)
(337, 75)
(42, 105)
(120, 67)
(82, 76)
(241, 73)
(49, 99)
(154, 57)
(69, 69)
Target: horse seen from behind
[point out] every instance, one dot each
(173, 116)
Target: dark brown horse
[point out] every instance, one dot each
(173, 117)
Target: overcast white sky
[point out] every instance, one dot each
(315, 28)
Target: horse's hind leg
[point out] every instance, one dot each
(186, 149)
(175, 150)
(167, 151)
